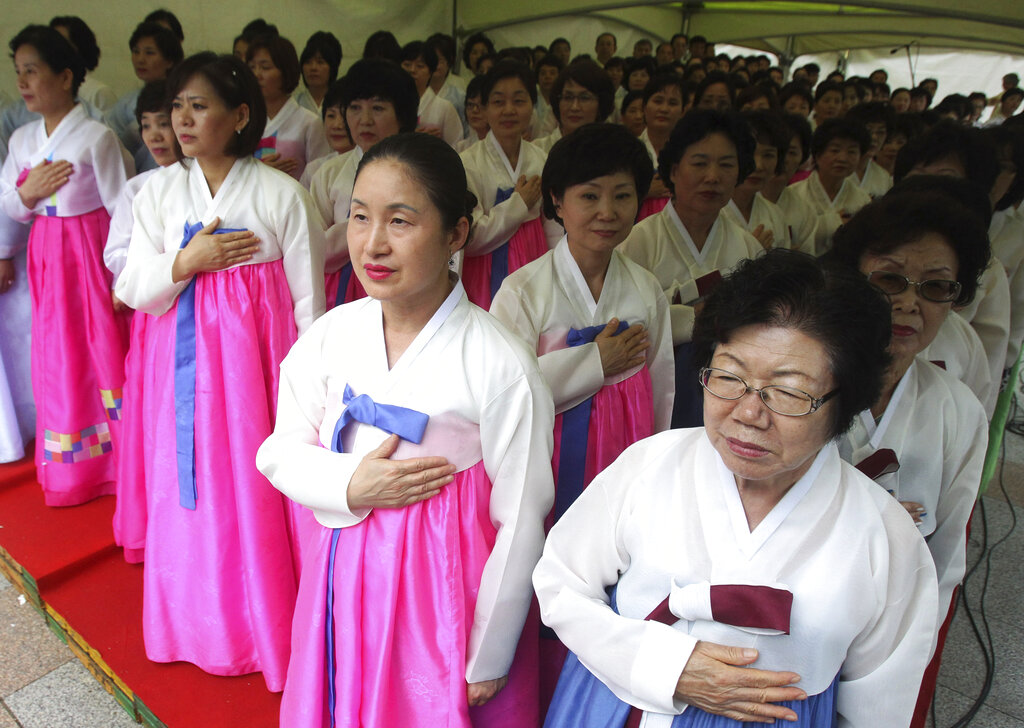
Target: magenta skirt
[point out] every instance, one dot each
(130, 507)
(220, 581)
(405, 588)
(652, 206)
(479, 272)
(621, 414)
(78, 350)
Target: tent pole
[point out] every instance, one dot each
(787, 57)
(455, 31)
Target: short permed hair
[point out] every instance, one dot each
(372, 78)
(165, 39)
(975, 151)
(829, 303)
(915, 208)
(699, 124)
(509, 68)
(593, 78)
(592, 151)
(831, 129)
(283, 54)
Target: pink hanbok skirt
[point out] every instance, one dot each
(78, 350)
(220, 581)
(130, 507)
(652, 206)
(527, 244)
(621, 414)
(353, 289)
(405, 589)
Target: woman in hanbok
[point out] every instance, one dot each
(742, 571)
(17, 407)
(294, 136)
(333, 114)
(582, 94)
(598, 322)
(663, 103)
(756, 214)
(154, 122)
(225, 254)
(64, 173)
(319, 61)
(926, 251)
(378, 100)
(691, 243)
(155, 51)
(436, 115)
(424, 454)
(504, 173)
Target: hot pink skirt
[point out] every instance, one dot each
(405, 588)
(78, 350)
(621, 414)
(130, 507)
(527, 244)
(220, 581)
(652, 206)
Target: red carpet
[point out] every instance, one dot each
(66, 561)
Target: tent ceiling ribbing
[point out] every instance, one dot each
(791, 27)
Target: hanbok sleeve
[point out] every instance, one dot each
(494, 225)
(145, 283)
(115, 252)
(573, 373)
(292, 458)
(301, 236)
(516, 425)
(451, 127)
(325, 192)
(989, 316)
(882, 672)
(109, 168)
(316, 140)
(121, 120)
(639, 660)
(661, 361)
(10, 200)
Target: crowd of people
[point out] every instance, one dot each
(568, 391)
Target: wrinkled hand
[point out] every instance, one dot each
(285, 164)
(658, 188)
(715, 681)
(379, 482)
(916, 510)
(764, 236)
(119, 305)
(622, 352)
(207, 252)
(43, 180)
(529, 189)
(480, 692)
(7, 276)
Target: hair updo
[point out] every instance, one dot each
(435, 167)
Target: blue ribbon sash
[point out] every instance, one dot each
(499, 257)
(185, 381)
(407, 424)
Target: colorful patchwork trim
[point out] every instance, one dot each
(75, 447)
(112, 402)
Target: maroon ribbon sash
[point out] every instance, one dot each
(879, 463)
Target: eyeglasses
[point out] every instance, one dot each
(787, 401)
(473, 106)
(936, 290)
(584, 98)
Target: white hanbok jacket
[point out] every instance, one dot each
(764, 212)
(809, 192)
(666, 519)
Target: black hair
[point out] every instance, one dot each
(55, 50)
(556, 41)
(662, 81)
(549, 60)
(716, 77)
(752, 93)
(873, 112)
(152, 100)
(824, 88)
(629, 98)
(800, 127)
(592, 151)
(1011, 135)
(234, 85)
(1015, 91)
(372, 78)
(472, 41)
(975, 151)
(956, 104)
(333, 98)
(769, 128)
(419, 49)
(796, 88)
(921, 91)
(829, 303)
(842, 128)
(282, 53)
(699, 124)
(916, 207)
(644, 63)
(383, 44)
(475, 87)
(509, 68)
(444, 46)
(615, 62)
(82, 38)
(328, 47)
(166, 41)
(168, 20)
(590, 76)
(435, 166)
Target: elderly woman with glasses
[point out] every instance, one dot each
(742, 571)
(924, 438)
